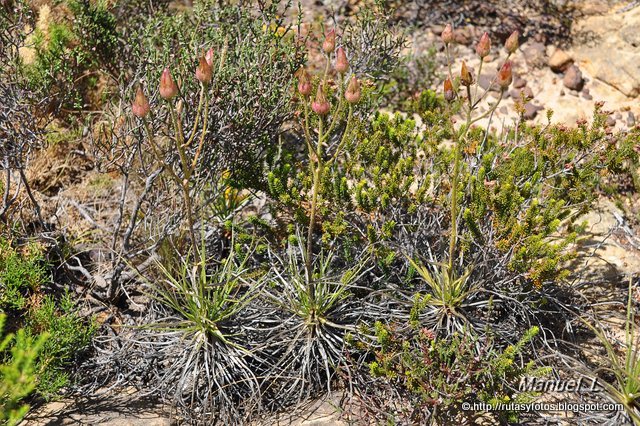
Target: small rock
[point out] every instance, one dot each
(574, 93)
(585, 90)
(519, 82)
(611, 122)
(562, 93)
(437, 29)
(535, 53)
(560, 61)
(573, 78)
(587, 96)
(503, 110)
(618, 116)
(531, 110)
(517, 93)
(464, 35)
(484, 81)
(631, 119)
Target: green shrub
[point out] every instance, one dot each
(255, 58)
(18, 377)
(435, 376)
(70, 48)
(72, 335)
(23, 281)
(21, 273)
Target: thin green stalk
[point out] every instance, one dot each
(493, 80)
(317, 176)
(454, 206)
(307, 133)
(344, 137)
(446, 50)
(475, 95)
(204, 132)
(197, 120)
(184, 183)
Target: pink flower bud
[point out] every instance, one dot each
(168, 88)
(505, 76)
(304, 83)
(320, 105)
(204, 72)
(465, 76)
(511, 45)
(449, 94)
(140, 106)
(342, 63)
(352, 94)
(484, 45)
(447, 34)
(209, 57)
(329, 43)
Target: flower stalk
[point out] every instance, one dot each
(328, 119)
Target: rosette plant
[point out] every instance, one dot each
(312, 289)
(450, 286)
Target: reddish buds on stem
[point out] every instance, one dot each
(447, 34)
(304, 83)
(329, 43)
(505, 76)
(204, 72)
(449, 94)
(511, 44)
(168, 87)
(320, 105)
(465, 76)
(209, 57)
(353, 94)
(484, 45)
(342, 63)
(140, 106)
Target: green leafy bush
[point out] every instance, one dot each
(23, 282)
(435, 376)
(72, 337)
(18, 375)
(70, 47)
(21, 273)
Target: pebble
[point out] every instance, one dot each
(531, 111)
(631, 119)
(573, 78)
(611, 122)
(517, 93)
(587, 96)
(535, 53)
(560, 61)
(437, 29)
(519, 82)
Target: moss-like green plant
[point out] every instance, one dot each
(23, 274)
(72, 337)
(22, 271)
